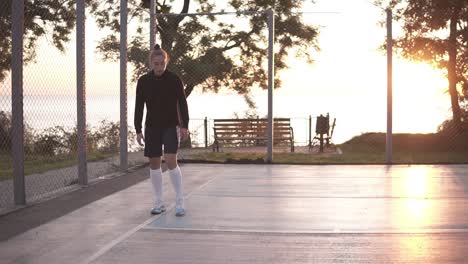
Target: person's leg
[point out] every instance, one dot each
(176, 179)
(171, 145)
(156, 180)
(153, 150)
(171, 160)
(155, 163)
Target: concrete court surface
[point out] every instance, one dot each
(263, 214)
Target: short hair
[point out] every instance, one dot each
(157, 51)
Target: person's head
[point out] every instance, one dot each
(158, 60)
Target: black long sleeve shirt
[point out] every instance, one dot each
(164, 98)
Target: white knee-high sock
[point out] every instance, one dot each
(176, 179)
(156, 180)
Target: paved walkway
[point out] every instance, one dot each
(255, 214)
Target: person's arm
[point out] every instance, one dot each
(139, 106)
(183, 107)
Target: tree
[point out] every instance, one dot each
(54, 17)
(436, 31)
(207, 52)
(5, 132)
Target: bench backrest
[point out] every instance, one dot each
(255, 128)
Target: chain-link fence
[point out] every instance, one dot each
(50, 105)
(341, 85)
(49, 110)
(203, 139)
(321, 110)
(6, 157)
(223, 60)
(6, 161)
(329, 103)
(102, 107)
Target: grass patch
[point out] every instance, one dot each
(42, 163)
(353, 157)
(367, 148)
(364, 149)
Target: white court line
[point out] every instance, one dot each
(132, 231)
(320, 232)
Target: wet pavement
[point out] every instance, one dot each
(268, 214)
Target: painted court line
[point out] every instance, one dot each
(132, 231)
(318, 232)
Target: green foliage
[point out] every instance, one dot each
(106, 137)
(454, 134)
(50, 142)
(54, 19)
(349, 156)
(6, 134)
(426, 26)
(209, 53)
(447, 139)
(436, 32)
(60, 140)
(5, 131)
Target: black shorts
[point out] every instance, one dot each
(156, 138)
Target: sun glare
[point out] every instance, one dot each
(418, 80)
(414, 210)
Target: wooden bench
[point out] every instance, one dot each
(251, 132)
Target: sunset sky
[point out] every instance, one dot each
(347, 78)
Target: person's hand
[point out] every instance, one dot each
(140, 139)
(184, 133)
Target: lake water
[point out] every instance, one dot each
(355, 114)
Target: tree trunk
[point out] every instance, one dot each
(451, 69)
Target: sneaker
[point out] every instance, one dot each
(179, 211)
(158, 210)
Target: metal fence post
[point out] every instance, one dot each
(17, 13)
(271, 83)
(123, 87)
(81, 92)
(206, 132)
(389, 136)
(310, 131)
(152, 24)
